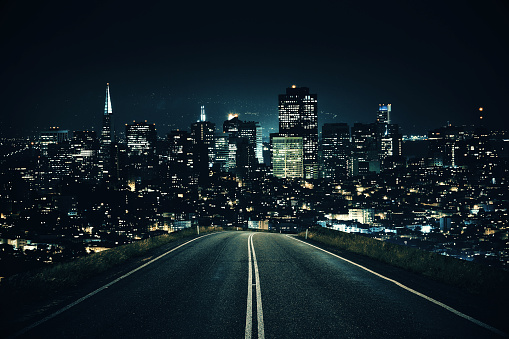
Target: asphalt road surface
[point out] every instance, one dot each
(255, 285)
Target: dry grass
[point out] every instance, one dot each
(468, 275)
(68, 274)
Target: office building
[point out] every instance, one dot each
(245, 141)
(141, 151)
(84, 147)
(298, 117)
(445, 146)
(384, 114)
(180, 170)
(203, 133)
(287, 157)
(221, 152)
(388, 138)
(141, 138)
(53, 136)
(335, 150)
(364, 156)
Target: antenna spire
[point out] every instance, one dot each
(107, 102)
(202, 114)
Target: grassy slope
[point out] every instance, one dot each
(68, 274)
(468, 275)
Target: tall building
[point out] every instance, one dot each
(221, 152)
(335, 150)
(55, 162)
(245, 141)
(384, 114)
(141, 151)
(203, 133)
(180, 171)
(390, 146)
(84, 147)
(298, 117)
(388, 138)
(364, 157)
(53, 136)
(107, 132)
(287, 157)
(107, 147)
(445, 146)
(141, 138)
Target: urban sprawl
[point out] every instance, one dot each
(65, 194)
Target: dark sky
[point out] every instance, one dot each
(435, 61)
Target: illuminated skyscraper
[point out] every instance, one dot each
(141, 138)
(245, 144)
(106, 151)
(202, 133)
(52, 136)
(387, 137)
(298, 117)
(287, 157)
(84, 147)
(141, 150)
(335, 150)
(364, 156)
(384, 114)
(56, 160)
(107, 133)
(222, 151)
(180, 169)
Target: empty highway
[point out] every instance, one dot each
(256, 285)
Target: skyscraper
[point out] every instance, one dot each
(387, 137)
(141, 138)
(107, 132)
(56, 160)
(52, 136)
(245, 144)
(287, 157)
(84, 147)
(298, 117)
(180, 171)
(106, 151)
(364, 158)
(335, 150)
(203, 133)
(141, 150)
(384, 114)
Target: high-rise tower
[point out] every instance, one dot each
(298, 117)
(388, 138)
(202, 133)
(383, 115)
(335, 150)
(106, 158)
(287, 157)
(107, 129)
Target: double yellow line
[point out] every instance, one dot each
(249, 309)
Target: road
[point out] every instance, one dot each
(245, 284)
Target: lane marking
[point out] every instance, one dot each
(259, 309)
(448, 308)
(63, 309)
(249, 309)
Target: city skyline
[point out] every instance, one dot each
(436, 63)
(118, 122)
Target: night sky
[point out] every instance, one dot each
(435, 61)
